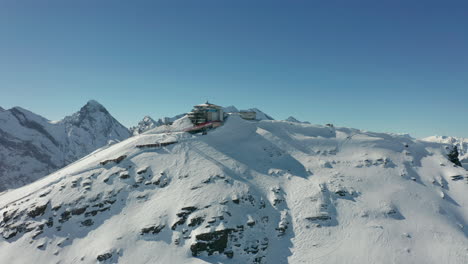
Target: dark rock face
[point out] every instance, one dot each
(196, 221)
(104, 257)
(65, 216)
(183, 215)
(38, 210)
(319, 218)
(78, 211)
(139, 172)
(453, 156)
(87, 222)
(116, 160)
(152, 229)
(36, 218)
(211, 242)
(341, 193)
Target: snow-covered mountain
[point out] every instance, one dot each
(461, 143)
(32, 146)
(247, 192)
(145, 124)
(148, 123)
(294, 120)
(259, 114)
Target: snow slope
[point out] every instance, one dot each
(32, 146)
(248, 192)
(461, 143)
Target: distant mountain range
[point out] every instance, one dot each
(148, 123)
(32, 146)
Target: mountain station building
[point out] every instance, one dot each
(205, 113)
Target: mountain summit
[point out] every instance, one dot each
(246, 192)
(32, 146)
(148, 123)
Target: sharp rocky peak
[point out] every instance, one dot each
(92, 112)
(94, 106)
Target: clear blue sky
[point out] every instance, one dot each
(389, 65)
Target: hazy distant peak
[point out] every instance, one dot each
(230, 109)
(148, 118)
(18, 108)
(94, 106)
(294, 120)
(32, 146)
(260, 114)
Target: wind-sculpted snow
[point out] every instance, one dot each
(32, 146)
(247, 192)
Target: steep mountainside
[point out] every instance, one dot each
(247, 192)
(461, 143)
(32, 146)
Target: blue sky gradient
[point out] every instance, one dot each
(389, 66)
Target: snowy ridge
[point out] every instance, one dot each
(248, 192)
(32, 146)
(294, 120)
(145, 124)
(260, 115)
(148, 123)
(461, 143)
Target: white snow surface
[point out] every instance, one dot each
(257, 191)
(32, 146)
